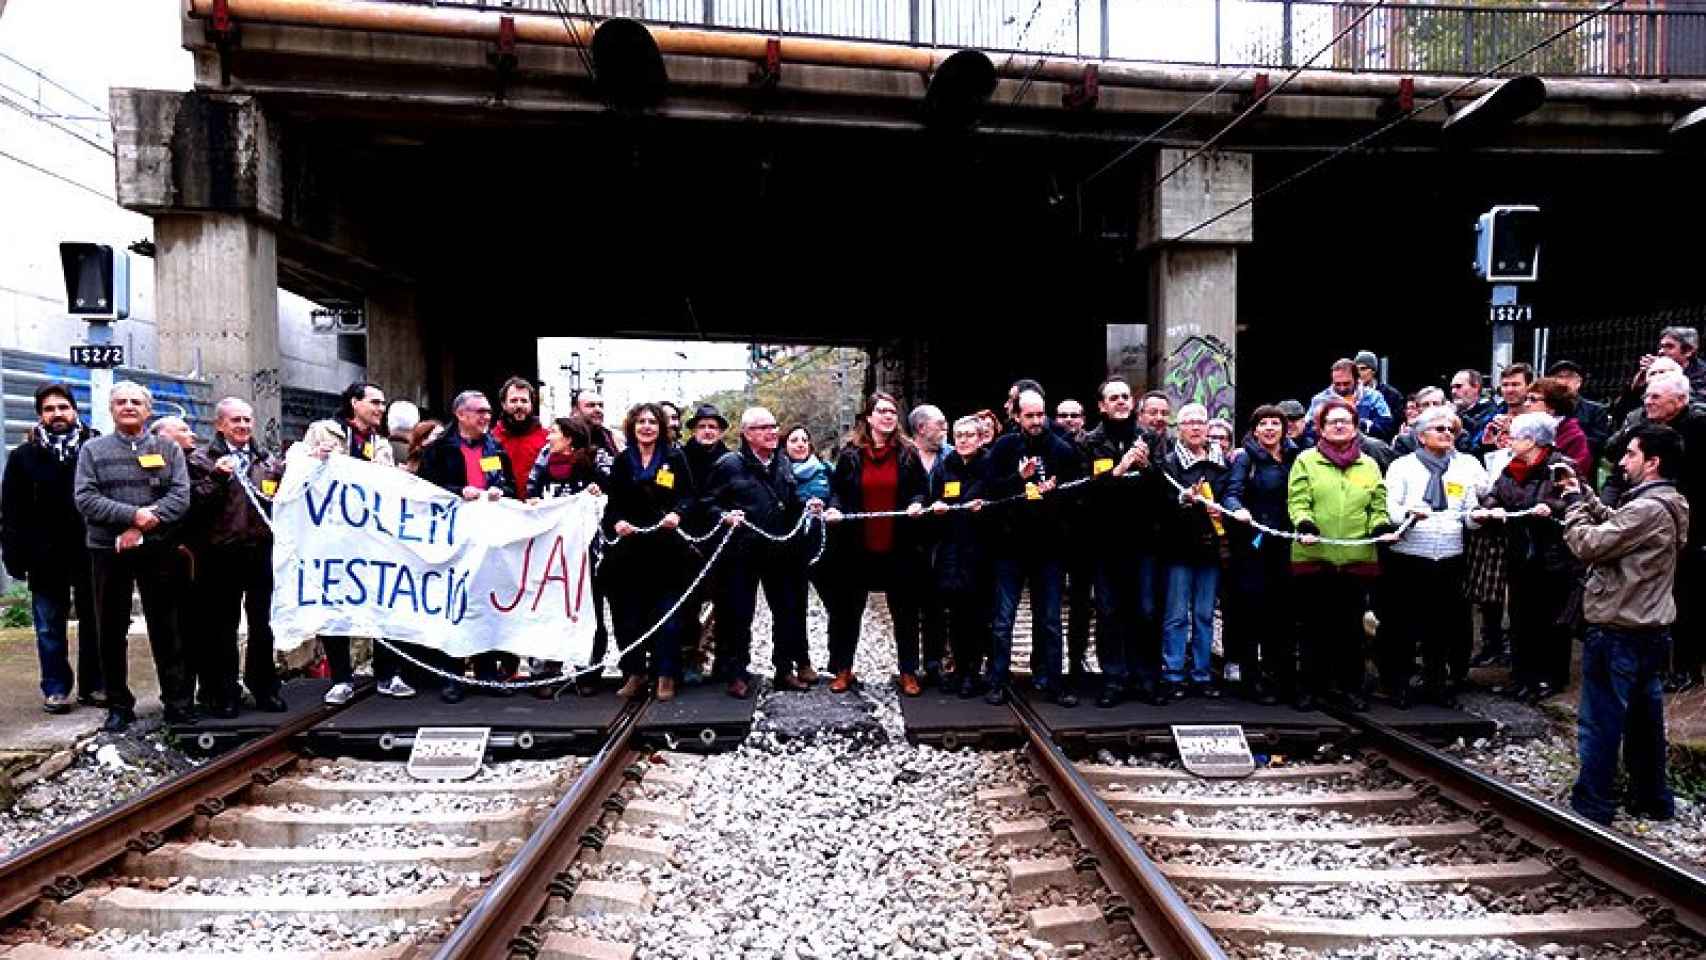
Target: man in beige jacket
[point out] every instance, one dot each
(1631, 552)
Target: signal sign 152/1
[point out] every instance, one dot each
(97, 355)
(1511, 313)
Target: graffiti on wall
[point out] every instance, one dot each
(1199, 370)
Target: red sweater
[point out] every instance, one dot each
(523, 448)
(879, 489)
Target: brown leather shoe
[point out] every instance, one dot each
(634, 686)
(738, 689)
(909, 685)
(666, 689)
(842, 683)
(807, 675)
(787, 681)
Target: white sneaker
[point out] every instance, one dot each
(395, 687)
(340, 694)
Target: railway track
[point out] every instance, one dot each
(1394, 843)
(1399, 843)
(367, 858)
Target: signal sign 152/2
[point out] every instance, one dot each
(97, 355)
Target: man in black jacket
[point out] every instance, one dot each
(1595, 417)
(470, 462)
(1030, 464)
(755, 486)
(232, 542)
(703, 447)
(1121, 532)
(41, 536)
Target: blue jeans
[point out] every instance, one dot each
(1622, 704)
(1189, 623)
(1043, 575)
(51, 604)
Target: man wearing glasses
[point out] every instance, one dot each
(754, 486)
(470, 462)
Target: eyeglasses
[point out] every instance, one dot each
(1117, 396)
(1069, 416)
(1338, 422)
(1193, 423)
(762, 426)
(479, 411)
(1441, 428)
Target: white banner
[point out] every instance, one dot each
(367, 550)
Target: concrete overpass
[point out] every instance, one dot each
(477, 178)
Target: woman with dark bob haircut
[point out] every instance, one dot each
(650, 486)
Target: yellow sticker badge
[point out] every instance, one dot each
(269, 487)
(1453, 489)
(666, 479)
(1032, 492)
(1101, 466)
(489, 464)
(151, 461)
(950, 490)
(367, 450)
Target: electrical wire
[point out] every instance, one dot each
(1360, 142)
(57, 176)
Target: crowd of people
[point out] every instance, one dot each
(1368, 513)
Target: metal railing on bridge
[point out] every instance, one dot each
(1643, 38)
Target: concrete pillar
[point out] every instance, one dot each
(900, 368)
(1192, 333)
(396, 344)
(216, 307)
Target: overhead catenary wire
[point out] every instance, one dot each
(1262, 100)
(57, 176)
(1380, 131)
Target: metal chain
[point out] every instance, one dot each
(612, 656)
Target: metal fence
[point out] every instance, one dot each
(22, 372)
(1610, 347)
(1645, 38)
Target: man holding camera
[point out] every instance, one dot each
(1632, 553)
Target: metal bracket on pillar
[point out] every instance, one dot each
(1258, 89)
(1399, 103)
(502, 55)
(768, 73)
(224, 27)
(1085, 91)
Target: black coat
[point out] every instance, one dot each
(1595, 419)
(1187, 533)
(41, 532)
(846, 493)
(765, 494)
(1258, 483)
(960, 552)
(1532, 544)
(1691, 423)
(1119, 513)
(1031, 525)
(442, 464)
(645, 502)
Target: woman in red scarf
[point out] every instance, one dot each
(878, 471)
(1542, 570)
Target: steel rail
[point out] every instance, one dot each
(55, 865)
(1167, 925)
(1599, 852)
(502, 922)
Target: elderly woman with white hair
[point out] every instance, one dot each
(1193, 544)
(1541, 568)
(1433, 488)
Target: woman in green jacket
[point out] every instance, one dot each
(1335, 491)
